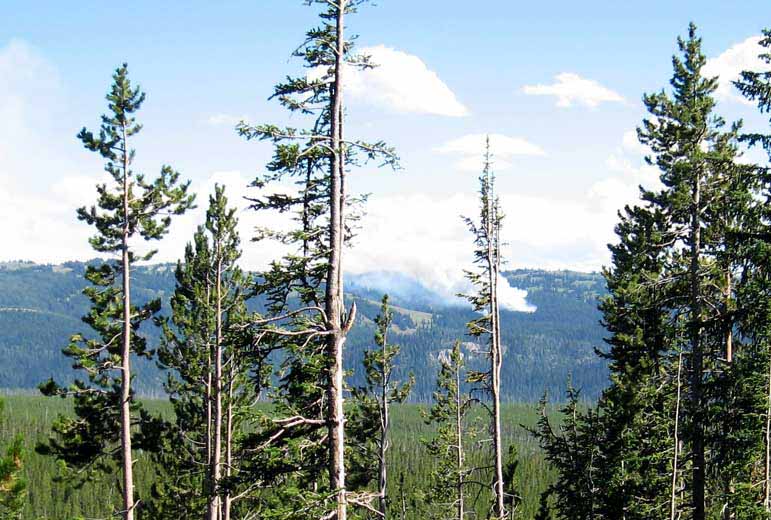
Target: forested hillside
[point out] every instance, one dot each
(41, 306)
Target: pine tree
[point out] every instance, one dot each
(487, 256)
(370, 423)
(208, 319)
(132, 207)
(13, 488)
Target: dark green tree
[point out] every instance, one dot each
(203, 348)
(131, 207)
(671, 434)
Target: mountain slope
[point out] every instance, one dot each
(41, 305)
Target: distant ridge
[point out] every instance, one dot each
(41, 306)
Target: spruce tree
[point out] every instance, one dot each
(487, 257)
(131, 207)
(704, 188)
(677, 430)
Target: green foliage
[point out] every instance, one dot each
(13, 488)
(679, 432)
(182, 447)
(88, 444)
(31, 418)
(40, 304)
(450, 413)
(369, 421)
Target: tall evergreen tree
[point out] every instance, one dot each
(132, 207)
(703, 192)
(203, 347)
(678, 291)
(312, 336)
(370, 423)
(487, 257)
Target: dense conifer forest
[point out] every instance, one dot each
(304, 391)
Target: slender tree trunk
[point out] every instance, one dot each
(384, 426)
(334, 289)
(729, 350)
(125, 404)
(676, 455)
(767, 483)
(729, 355)
(227, 501)
(496, 395)
(215, 507)
(459, 433)
(493, 263)
(209, 415)
(697, 358)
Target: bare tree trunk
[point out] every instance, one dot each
(215, 507)
(459, 433)
(496, 395)
(227, 501)
(496, 354)
(209, 412)
(697, 358)
(334, 289)
(384, 426)
(125, 404)
(676, 455)
(729, 350)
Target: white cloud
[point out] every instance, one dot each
(225, 119)
(729, 64)
(631, 143)
(629, 172)
(570, 88)
(404, 83)
(502, 147)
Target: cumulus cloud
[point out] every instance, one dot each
(729, 64)
(404, 83)
(570, 89)
(503, 148)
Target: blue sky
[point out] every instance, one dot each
(560, 82)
